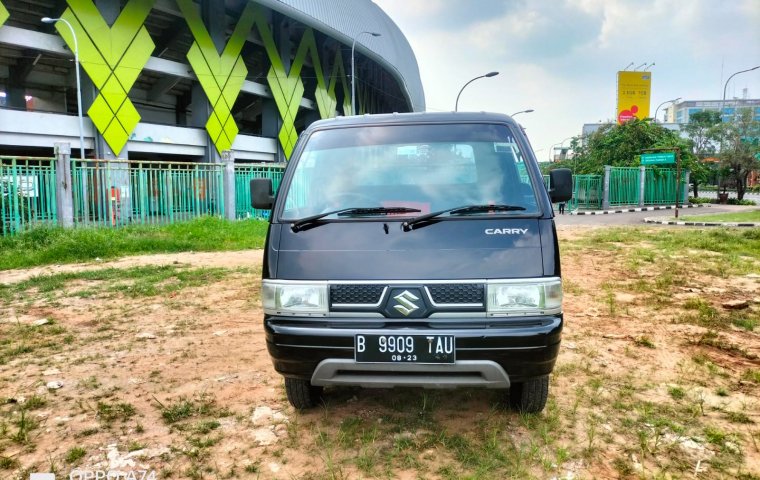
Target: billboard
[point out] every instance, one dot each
(634, 89)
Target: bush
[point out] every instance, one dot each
(734, 201)
(700, 200)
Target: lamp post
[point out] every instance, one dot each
(663, 103)
(353, 79)
(723, 102)
(530, 110)
(79, 84)
(487, 75)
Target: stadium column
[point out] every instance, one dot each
(271, 119)
(215, 20)
(119, 171)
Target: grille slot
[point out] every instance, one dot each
(356, 294)
(457, 293)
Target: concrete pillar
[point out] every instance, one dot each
(228, 183)
(63, 189)
(606, 188)
(642, 184)
(686, 178)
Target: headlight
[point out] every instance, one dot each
(525, 297)
(294, 298)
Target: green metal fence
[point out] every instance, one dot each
(624, 186)
(243, 176)
(27, 193)
(587, 192)
(660, 186)
(120, 192)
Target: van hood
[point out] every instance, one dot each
(466, 248)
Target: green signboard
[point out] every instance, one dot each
(662, 158)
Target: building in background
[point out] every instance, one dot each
(680, 112)
(180, 80)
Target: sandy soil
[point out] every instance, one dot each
(206, 345)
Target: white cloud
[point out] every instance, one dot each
(560, 57)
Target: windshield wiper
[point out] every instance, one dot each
(466, 210)
(344, 212)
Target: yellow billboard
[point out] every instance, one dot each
(634, 89)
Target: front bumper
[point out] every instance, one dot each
(322, 350)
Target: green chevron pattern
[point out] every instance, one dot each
(113, 57)
(220, 76)
(339, 75)
(287, 86)
(3, 14)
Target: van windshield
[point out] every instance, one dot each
(416, 169)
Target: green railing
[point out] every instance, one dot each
(243, 176)
(121, 192)
(624, 186)
(27, 193)
(587, 192)
(660, 186)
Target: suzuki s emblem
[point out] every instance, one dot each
(406, 304)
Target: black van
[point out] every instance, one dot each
(413, 250)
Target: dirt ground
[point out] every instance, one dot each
(178, 382)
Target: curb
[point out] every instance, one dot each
(700, 224)
(639, 209)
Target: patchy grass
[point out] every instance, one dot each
(738, 217)
(54, 245)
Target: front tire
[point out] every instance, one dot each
(529, 396)
(302, 394)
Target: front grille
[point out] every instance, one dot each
(356, 294)
(457, 293)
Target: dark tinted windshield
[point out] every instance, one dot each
(423, 167)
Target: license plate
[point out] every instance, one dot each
(404, 348)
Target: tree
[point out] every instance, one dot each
(704, 131)
(621, 145)
(740, 149)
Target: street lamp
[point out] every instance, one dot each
(487, 75)
(353, 82)
(530, 110)
(663, 103)
(722, 102)
(79, 85)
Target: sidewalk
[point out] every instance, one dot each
(637, 209)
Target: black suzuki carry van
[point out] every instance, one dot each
(413, 250)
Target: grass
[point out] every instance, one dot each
(145, 281)
(54, 245)
(738, 217)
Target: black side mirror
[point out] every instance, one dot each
(262, 195)
(561, 181)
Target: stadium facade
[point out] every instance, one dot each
(185, 80)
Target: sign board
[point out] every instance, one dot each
(663, 158)
(634, 89)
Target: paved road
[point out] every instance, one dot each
(634, 218)
(714, 194)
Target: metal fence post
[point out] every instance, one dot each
(63, 189)
(228, 159)
(606, 190)
(642, 184)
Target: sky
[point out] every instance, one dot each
(561, 57)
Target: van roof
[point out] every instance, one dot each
(411, 118)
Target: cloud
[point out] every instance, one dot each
(560, 57)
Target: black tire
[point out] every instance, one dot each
(302, 394)
(529, 396)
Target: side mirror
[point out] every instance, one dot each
(561, 181)
(262, 195)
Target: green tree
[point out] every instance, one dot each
(621, 145)
(704, 131)
(740, 149)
